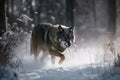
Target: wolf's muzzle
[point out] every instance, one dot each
(68, 44)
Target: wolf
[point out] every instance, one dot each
(53, 39)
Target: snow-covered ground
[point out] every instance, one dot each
(60, 73)
(83, 63)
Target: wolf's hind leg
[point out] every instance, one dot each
(43, 57)
(62, 57)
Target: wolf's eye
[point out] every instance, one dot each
(59, 40)
(60, 29)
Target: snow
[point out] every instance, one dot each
(85, 72)
(80, 64)
(24, 18)
(58, 74)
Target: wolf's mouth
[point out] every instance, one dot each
(64, 43)
(67, 44)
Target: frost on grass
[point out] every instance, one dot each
(112, 52)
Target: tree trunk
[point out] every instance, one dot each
(91, 5)
(2, 17)
(2, 29)
(70, 4)
(111, 19)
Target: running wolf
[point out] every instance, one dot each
(51, 38)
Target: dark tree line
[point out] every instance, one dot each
(40, 10)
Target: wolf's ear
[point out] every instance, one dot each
(60, 28)
(71, 28)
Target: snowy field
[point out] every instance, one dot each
(80, 64)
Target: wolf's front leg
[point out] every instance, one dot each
(62, 59)
(54, 53)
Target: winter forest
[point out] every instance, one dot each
(95, 54)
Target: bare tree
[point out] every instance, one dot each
(111, 18)
(111, 30)
(92, 7)
(2, 17)
(70, 4)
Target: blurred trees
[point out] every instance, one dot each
(39, 10)
(92, 6)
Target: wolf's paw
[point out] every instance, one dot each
(60, 62)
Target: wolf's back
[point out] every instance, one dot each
(39, 37)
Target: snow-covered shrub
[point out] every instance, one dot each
(14, 36)
(112, 52)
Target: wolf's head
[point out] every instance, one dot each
(65, 36)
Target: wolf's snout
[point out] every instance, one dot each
(68, 44)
